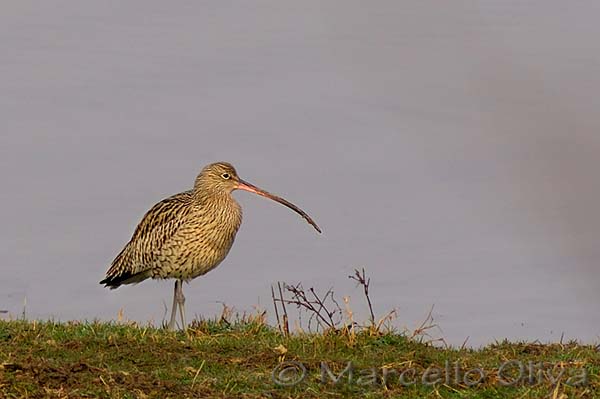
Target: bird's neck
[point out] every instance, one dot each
(218, 200)
(220, 208)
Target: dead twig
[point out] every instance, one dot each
(323, 309)
(276, 309)
(361, 278)
(423, 330)
(286, 326)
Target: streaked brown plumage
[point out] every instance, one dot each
(188, 234)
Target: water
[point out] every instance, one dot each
(452, 152)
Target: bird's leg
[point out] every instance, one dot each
(171, 325)
(181, 302)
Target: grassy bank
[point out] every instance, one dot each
(234, 360)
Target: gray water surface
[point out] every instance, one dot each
(451, 151)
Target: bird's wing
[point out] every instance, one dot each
(157, 227)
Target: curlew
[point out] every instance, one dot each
(188, 234)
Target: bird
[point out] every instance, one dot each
(188, 234)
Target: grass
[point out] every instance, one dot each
(220, 359)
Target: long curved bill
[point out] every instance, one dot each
(244, 185)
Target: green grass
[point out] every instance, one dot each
(236, 360)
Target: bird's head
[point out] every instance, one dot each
(221, 178)
(218, 178)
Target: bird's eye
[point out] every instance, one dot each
(225, 176)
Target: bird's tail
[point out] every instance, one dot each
(123, 270)
(116, 281)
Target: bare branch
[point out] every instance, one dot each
(361, 279)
